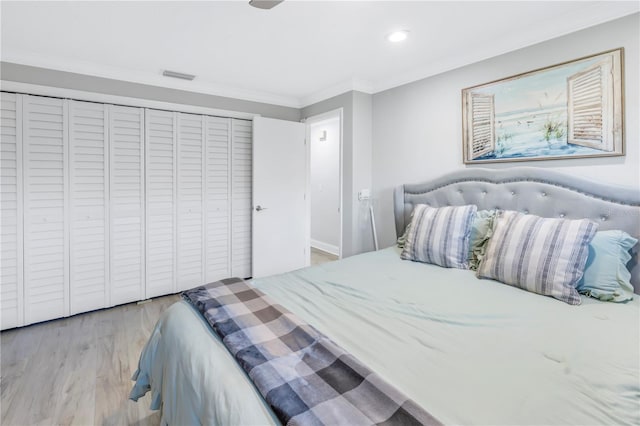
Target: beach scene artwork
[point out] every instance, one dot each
(563, 111)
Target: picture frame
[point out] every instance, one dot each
(574, 109)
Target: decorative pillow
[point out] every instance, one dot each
(541, 255)
(439, 235)
(606, 276)
(481, 231)
(402, 239)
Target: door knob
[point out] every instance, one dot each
(260, 208)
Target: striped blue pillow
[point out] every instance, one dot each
(542, 255)
(439, 235)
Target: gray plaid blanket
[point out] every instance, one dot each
(305, 378)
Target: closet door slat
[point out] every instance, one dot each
(126, 140)
(241, 197)
(160, 169)
(218, 189)
(190, 237)
(46, 225)
(89, 189)
(11, 283)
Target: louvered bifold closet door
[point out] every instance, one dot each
(88, 170)
(190, 236)
(241, 199)
(46, 233)
(218, 189)
(126, 141)
(11, 284)
(160, 168)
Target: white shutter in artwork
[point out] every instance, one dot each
(241, 200)
(46, 232)
(591, 107)
(160, 180)
(126, 141)
(11, 284)
(217, 190)
(190, 236)
(481, 118)
(88, 174)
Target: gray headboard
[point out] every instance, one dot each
(530, 190)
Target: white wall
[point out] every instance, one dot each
(325, 185)
(417, 128)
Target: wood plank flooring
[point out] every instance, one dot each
(78, 370)
(318, 256)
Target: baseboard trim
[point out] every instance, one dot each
(329, 248)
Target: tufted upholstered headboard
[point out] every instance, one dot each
(530, 190)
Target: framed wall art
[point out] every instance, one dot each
(569, 110)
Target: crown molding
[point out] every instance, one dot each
(146, 78)
(338, 89)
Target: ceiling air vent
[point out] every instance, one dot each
(179, 75)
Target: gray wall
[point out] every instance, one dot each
(356, 165)
(417, 130)
(67, 80)
(362, 170)
(325, 184)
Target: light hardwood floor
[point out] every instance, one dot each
(78, 370)
(318, 256)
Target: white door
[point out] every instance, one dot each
(46, 227)
(280, 213)
(160, 169)
(126, 142)
(11, 285)
(89, 243)
(241, 191)
(190, 236)
(217, 190)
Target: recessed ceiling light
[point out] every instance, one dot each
(398, 36)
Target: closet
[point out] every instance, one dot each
(104, 204)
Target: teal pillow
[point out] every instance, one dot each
(481, 231)
(606, 276)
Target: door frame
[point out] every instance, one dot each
(309, 121)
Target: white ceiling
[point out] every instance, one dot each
(298, 53)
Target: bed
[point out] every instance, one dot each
(468, 351)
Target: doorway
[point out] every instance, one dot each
(324, 133)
